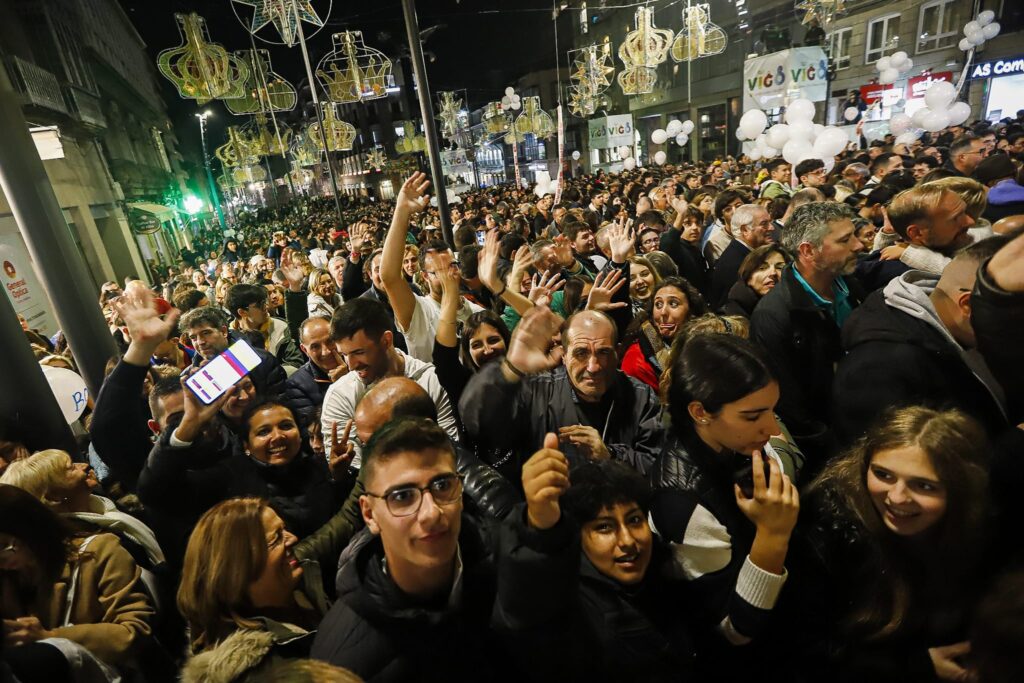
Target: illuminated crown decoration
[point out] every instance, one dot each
(265, 91)
(284, 14)
(262, 141)
(641, 53)
(237, 151)
(699, 37)
(377, 159)
(410, 142)
(353, 72)
(591, 75)
(300, 175)
(496, 121)
(304, 151)
(201, 70)
(449, 108)
(249, 174)
(533, 120)
(226, 183)
(822, 10)
(340, 134)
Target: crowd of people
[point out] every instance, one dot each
(695, 422)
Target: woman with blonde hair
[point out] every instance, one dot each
(323, 295)
(241, 594)
(893, 551)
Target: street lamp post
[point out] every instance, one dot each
(206, 163)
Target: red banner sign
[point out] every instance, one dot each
(872, 93)
(917, 85)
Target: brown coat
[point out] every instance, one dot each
(110, 611)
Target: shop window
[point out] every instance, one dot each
(939, 25)
(883, 35)
(839, 48)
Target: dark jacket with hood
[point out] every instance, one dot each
(305, 391)
(384, 635)
(741, 301)
(803, 346)
(692, 266)
(898, 353)
(119, 418)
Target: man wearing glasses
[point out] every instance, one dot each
(416, 588)
(810, 173)
(964, 155)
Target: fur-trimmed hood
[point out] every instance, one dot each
(241, 652)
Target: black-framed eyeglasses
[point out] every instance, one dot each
(403, 501)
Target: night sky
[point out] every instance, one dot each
(479, 45)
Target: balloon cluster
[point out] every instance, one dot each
(678, 130)
(941, 111)
(511, 100)
(626, 154)
(977, 31)
(892, 67)
(545, 185)
(797, 139)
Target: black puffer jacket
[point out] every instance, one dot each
(384, 636)
(893, 360)
(305, 390)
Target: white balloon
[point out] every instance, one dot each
(796, 151)
(69, 389)
(976, 38)
(740, 135)
(990, 31)
(659, 136)
(674, 128)
(851, 113)
(970, 27)
(540, 191)
(682, 139)
(801, 130)
(964, 44)
(516, 104)
(888, 76)
(777, 135)
(907, 138)
(907, 66)
(830, 163)
(629, 164)
(958, 112)
(687, 127)
(899, 124)
(831, 141)
(935, 121)
(884, 63)
(898, 59)
(986, 17)
(799, 110)
(769, 152)
(625, 152)
(506, 101)
(754, 154)
(940, 94)
(659, 158)
(918, 116)
(509, 91)
(576, 155)
(818, 129)
(752, 123)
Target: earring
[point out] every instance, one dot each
(704, 421)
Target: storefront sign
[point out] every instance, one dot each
(608, 132)
(889, 94)
(999, 67)
(22, 287)
(918, 85)
(454, 162)
(770, 79)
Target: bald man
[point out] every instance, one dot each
(911, 344)
(574, 390)
(485, 490)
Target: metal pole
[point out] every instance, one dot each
(26, 403)
(209, 174)
(320, 119)
(412, 30)
(59, 263)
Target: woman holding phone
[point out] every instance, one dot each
(722, 499)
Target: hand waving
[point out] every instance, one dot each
(487, 261)
(606, 284)
(621, 243)
(532, 348)
(413, 197)
(137, 308)
(292, 270)
(543, 286)
(545, 480)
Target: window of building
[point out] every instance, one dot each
(881, 35)
(584, 18)
(839, 48)
(939, 24)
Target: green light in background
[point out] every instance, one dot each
(192, 204)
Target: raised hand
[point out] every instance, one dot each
(606, 284)
(487, 262)
(342, 451)
(137, 308)
(586, 439)
(775, 505)
(413, 197)
(563, 251)
(292, 270)
(543, 286)
(679, 204)
(521, 262)
(357, 237)
(197, 413)
(621, 243)
(532, 348)
(545, 480)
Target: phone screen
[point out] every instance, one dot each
(481, 237)
(211, 381)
